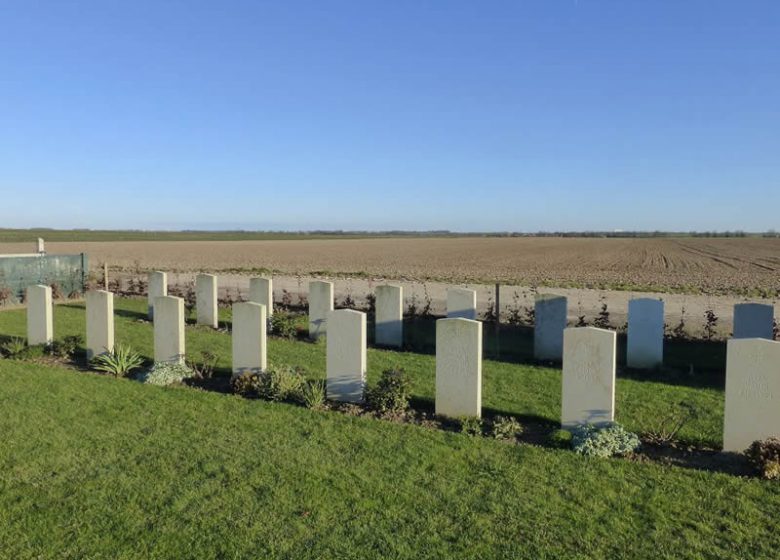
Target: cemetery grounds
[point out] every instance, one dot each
(102, 468)
(98, 467)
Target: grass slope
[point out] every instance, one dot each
(93, 467)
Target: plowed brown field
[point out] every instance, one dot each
(749, 266)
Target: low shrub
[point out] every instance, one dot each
(165, 373)
(609, 441)
(764, 456)
(66, 347)
(505, 427)
(120, 362)
(561, 439)
(312, 394)
(278, 383)
(14, 348)
(470, 425)
(245, 383)
(283, 325)
(391, 394)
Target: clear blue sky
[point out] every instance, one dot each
(516, 115)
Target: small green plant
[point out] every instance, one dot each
(505, 427)
(391, 394)
(204, 369)
(426, 310)
(710, 324)
(165, 373)
(14, 348)
(608, 441)
(279, 383)
(283, 325)
(349, 301)
(514, 313)
(312, 394)
(764, 456)
(470, 425)
(561, 439)
(286, 301)
(371, 304)
(602, 319)
(120, 362)
(66, 347)
(244, 384)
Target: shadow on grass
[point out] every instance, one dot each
(691, 363)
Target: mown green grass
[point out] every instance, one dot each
(96, 467)
(93, 467)
(508, 388)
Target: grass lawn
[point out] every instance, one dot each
(94, 467)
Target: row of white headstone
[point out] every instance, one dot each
(645, 337)
(752, 409)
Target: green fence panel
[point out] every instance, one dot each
(67, 274)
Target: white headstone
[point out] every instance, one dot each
(346, 355)
(588, 395)
(169, 329)
(389, 316)
(40, 325)
(206, 300)
(41, 245)
(645, 344)
(157, 287)
(320, 305)
(461, 302)
(249, 338)
(549, 322)
(261, 290)
(458, 367)
(754, 320)
(100, 323)
(752, 392)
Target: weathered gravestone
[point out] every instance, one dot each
(320, 305)
(461, 302)
(752, 392)
(645, 344)
(389, 316)
(754, 320)
(206, 300)
(261, 291)
(459, 367)
(588, 395)
(549, 322)
(157, 287)
(169, 329)
(100, 323)
(40, 325)
(346, 355)
(249, 338)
